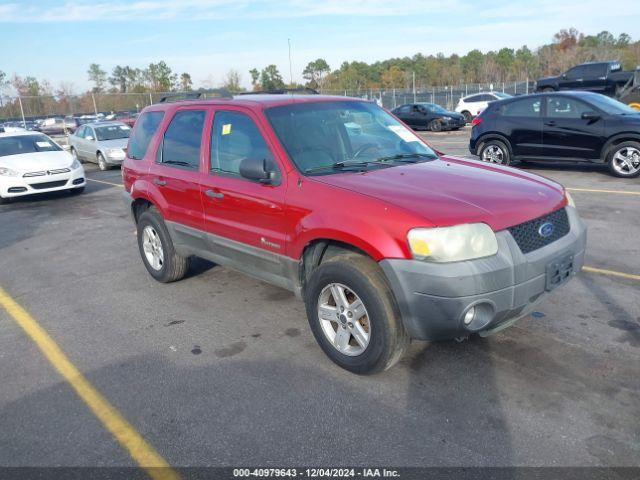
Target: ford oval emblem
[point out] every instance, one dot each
(546, 229)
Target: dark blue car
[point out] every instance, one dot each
(563, 126)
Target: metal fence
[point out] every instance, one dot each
(447, 96)
(33, 107)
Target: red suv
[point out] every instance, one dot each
(334, 198)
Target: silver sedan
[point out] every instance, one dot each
(103, 143)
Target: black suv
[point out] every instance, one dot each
(567, 126)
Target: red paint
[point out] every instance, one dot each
(372, 211)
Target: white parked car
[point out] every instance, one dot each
(31, 162)
(472, 105)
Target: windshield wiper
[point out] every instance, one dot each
(406, 157)
(339, 166)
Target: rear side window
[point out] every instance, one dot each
(473, 99)
(143, 132)
(529, 107)
(596, 70)
(235, 137)
(182, 140)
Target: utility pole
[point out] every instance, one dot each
(290, 67)
(24, 123)
(95, 108)
(414, 86)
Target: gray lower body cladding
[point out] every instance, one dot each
(434, 298)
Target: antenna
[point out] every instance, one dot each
(290, 68)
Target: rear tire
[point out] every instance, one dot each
(548, 89)
(624, 160)
(172, 266)
(494, 151)
(467, 116)
(359, 278)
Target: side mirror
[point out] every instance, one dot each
(563, 76)
(90, 138)
(591, 116)
(257, 169)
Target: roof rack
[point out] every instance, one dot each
(282, 91)
(177, 97)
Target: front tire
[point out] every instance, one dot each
(624, 160)
(435, 126)
(495, 151)
(102, 163)
(353, 314)
(157, 250)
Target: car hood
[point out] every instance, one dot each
(117, 143)
(452, 191)
(35, 162)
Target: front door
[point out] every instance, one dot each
(244, 219)
(566, 134)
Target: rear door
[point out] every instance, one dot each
(176, 170)
(521, 122)
(595, 77)
(244, 219)
(405, 113)
(566, 134)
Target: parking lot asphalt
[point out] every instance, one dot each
(222, 370)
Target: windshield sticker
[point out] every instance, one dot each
(403, 133)
(44, 144)
(226, 129)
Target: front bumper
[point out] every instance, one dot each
(433, 298)
(19, 186)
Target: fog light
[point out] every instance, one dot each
(468, 317)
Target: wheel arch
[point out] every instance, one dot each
(615, 140)
(493, 136)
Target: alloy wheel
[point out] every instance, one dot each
(152, 247)
(344, 319)
(626, 161)
(493, 154)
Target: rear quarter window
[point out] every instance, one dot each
(143, 132)
(529, 107)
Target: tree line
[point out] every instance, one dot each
(567, 48)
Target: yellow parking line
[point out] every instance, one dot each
(596, 190)
(613, 273)
(123, 431)
(106, 183)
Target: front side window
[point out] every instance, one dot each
(328, 137)
(182, 140)
(235, 137)
(143, 132)
(80, 132)
(88, 134)
(575, 73)
(562, 107)
(529, 107)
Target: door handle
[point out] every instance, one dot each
(212, 194)
(160, 183)
(550, 123)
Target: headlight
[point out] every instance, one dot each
(115, 152)
(570, 201)
(75, 165)
(453, 244)
(7, 172)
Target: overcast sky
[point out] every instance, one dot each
(58, 39)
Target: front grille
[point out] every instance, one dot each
(46, 172)
(42, 186)
(527, 235)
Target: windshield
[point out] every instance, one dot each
(610, 105)
(26, 144)
(434, 107)
(322, 137)
(112, 132)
